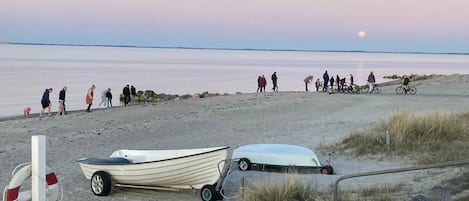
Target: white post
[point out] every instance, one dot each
(38, 167)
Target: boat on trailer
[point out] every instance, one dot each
(283, 155)
(202, 168)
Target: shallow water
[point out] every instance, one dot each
(27, 70)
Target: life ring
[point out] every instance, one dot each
(13, 191)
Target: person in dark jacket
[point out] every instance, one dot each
(45, 102)
(371, 81)
(109, 97)
(325, 76)
(126, 92)
(274, 81)
(62, 101)
(133, 92)
(332, 84)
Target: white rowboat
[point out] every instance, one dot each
(174, 169)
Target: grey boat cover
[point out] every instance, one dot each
(105, 161)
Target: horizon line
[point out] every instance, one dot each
(228, 49)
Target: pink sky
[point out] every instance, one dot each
(399, 25)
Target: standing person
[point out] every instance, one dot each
(45, 102)
(259, 84)
(126, 92)
(318, 84)
(351, 80)
(62, 101)
(133, 92)
(263, 83)
(371, 81)
(274, 81)
(332, 84)
(307, 81)
(89, 97)
(109, 97)
(325, 77)
(337, 81)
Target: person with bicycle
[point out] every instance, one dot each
(371, 82)
(406, 83)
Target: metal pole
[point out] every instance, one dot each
(420, 167)
(38, 167)
(241, 188)
(388, 137)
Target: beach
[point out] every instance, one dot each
(307, 119)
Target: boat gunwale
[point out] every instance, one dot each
(207, 152)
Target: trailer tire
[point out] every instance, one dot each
(101, 183)
(244, 164)
(327, 170)
(208, 193)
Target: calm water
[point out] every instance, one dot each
(26, 71)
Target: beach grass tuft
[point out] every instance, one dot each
(425, 138)
(292, 189)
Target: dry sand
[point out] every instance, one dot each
(299, 118)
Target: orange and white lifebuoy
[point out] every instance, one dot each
(13, 191)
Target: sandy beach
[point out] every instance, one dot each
(307, 119)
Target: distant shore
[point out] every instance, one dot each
(228, 49)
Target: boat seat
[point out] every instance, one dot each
(106, 161)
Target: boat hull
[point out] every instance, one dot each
(185, 172)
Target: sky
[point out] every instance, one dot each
(439, 26)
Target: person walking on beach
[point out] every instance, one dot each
(325, 77)
(318, 84)
(45, 102)
(371, 82)
(89, 97)
(103, 98)
(307, 81)
(332, 84)
(133, 93)
(126, 92)
(263, 83)
(109, 97)
(259, 88)
(351, 80)
(274, 81)
(62, 101)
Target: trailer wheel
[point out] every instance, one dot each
(101, 183)
(244, 164)
(208, 193)
(327, 170)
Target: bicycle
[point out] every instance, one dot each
(352, 89)
(404, 89)
(375, 89)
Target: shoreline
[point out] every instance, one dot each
(298, 118)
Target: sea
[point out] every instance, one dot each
(27, 70)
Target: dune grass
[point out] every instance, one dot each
(292, 189)
(425, 138)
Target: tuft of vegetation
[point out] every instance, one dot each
(430, 137)
(292, 189)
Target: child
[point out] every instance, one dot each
(26, 112)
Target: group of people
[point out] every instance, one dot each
(328, 82)
(106, 99)
(129, 94)
(262, 82)
(46, 104)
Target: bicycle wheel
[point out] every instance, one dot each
(399, 90)
(412, 90)
(320, 89)
(364, 89)
(377, 90)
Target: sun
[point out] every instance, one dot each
(361, 34)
